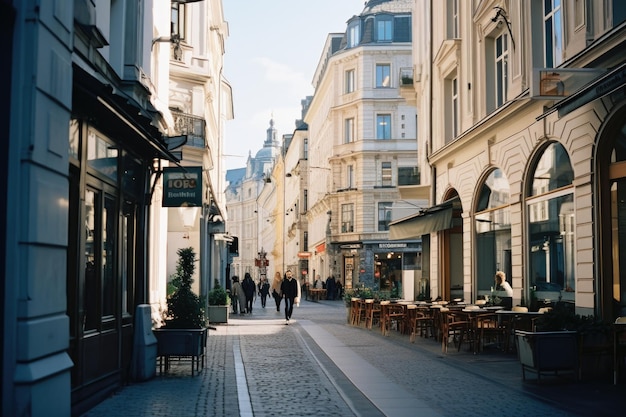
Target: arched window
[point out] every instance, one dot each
(493, 231)
(550, 213)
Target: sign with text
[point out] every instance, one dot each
(182, 187)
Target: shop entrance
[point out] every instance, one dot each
(388, 272)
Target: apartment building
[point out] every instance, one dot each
(87, 133)
(361, 149)
(522, 110)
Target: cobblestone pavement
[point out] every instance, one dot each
(258, 366)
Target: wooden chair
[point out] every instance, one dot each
(391, 314)
(372, 312)
(421, 324)
(361, 312)
(354, 310)
(453, 326)
(488, 328)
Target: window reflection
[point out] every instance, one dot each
(551, 226)
(493, 230)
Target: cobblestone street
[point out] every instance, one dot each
(319, 365)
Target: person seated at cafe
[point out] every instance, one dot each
(502, 284)
(318, 282)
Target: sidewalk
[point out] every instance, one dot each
(319, 365)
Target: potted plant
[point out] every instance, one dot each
(218, 304)
(184, 330)
(563, 340)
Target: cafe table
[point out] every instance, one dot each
(516, 320)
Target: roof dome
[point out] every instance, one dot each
(390, 6)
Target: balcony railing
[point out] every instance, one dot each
(406, 77)
(192, 126)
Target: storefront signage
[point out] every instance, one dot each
(182, 187)
(320, 248)
(304, 254)
(392, 245)
(352, 246)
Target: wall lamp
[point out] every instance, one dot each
(499, 18)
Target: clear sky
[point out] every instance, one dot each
(272, 52)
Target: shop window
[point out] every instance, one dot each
(493, 231)
(551, 219)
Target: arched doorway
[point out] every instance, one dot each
(451, 250)
(611, 224)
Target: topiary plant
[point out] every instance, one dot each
(218, 295)
(184, 308)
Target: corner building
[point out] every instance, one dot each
(361, 151)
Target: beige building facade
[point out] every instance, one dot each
(528, 164)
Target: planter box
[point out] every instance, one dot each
(182, 344)
(218, 314)
(542, 352)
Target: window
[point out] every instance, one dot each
(305, 148)
(453, 19)
(493, 231)
(551, 217)
(350, 177)
(100, 259)
(305, 202)
(383, 126)
(350, 87)
(553, 33)
(177, 24)
(385, 174)
(354, 32)
(451, 110)
(502, 68)
(408, 176)
(384, 215)
(383, 75)
(384, 29)
(349, 131)
(347, 218)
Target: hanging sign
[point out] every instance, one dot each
(182, 187)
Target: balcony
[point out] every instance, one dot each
(192, 126)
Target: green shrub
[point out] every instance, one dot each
(184, 308)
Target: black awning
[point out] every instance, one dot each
(431, 220)
(119, 116)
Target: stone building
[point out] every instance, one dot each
(522, 110)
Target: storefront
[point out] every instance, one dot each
(114, 152)
(393, 267)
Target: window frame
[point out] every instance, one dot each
(383, 126)
(384, 215)
(383, 75)
(350, 81)
(347, 218)
(348, 130)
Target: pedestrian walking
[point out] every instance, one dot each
(249, 288)
(289, 289)
(330, 288)
(237, 296)
(276, 290)
(264, 290)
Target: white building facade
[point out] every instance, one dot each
(361, 150)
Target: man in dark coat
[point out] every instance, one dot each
(289, 290)
(249, 288)
(330, 288)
